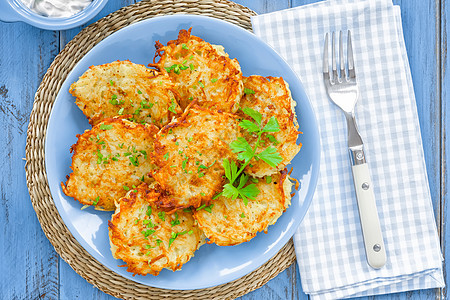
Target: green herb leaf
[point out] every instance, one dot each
(248, 91)
(250, 126)
(105, 127)
(162, 215)
(175, 221)
(242, 148)
(185, 47)
(253, 113)
(230, 191)
(214, 80)
(268, 179)
(272, 125)
(270, 156)
(172, 107)
(272, 139)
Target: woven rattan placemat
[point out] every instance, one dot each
(52, 224)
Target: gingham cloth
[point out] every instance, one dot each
(329, 244)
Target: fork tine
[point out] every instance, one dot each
(333, 57)
(351, 65)
(341, 58)
(325, 70)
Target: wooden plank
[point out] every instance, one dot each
(264, 6)
(29, 265)
(444, 64)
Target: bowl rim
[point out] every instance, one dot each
(24, 14)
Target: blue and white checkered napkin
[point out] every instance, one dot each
(329, 243)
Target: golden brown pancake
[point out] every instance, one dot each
(189, 153)
(229, 221)
(109, 160)
(125, 88)
(271, 97)
(148, 239)
(201, 72)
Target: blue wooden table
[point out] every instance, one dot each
(29, 266)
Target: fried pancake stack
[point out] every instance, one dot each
(156, 152)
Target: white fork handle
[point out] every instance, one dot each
(368, 215)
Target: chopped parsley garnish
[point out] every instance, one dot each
(120, 112)
(268, 179)
(146, 104)
(162, 215)
(96, 200)
(174, 235)
(134, 160)
(114, 100)
(139, 92)
(248, 91)
(175, 221)
(214, 80)
(149, 211)
(201, 84)
(144, 153)
(126, 188)
(121, 145)
(166, 156)
(148, 232)
(185, 47)
(105, 127)
(242, 215)
(172, 106)
(183, 164)
(111, 82)
(191, 66)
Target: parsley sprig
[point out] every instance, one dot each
(237, 188)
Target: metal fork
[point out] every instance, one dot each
(343, 90)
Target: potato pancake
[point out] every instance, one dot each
(271, 96)
(108, 160)
(228, 222)
(201, 72)
(189, 152)
(147, 239)
(125, 88)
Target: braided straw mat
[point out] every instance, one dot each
(52, 224)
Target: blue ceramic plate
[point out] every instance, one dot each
(212, 265)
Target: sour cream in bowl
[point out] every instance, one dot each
(50, 14)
